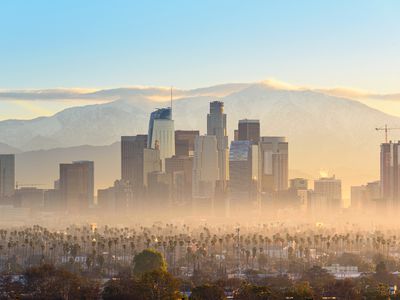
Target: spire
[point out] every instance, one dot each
(171, 102)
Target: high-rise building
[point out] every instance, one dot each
(162, 133)
(7, 176)
(137, 161)
(29, 197)
(274, 163)
(77, 185)
(205, 173)
(216, 126)
(243, 176)
(132, 149)
(390, 174)
(249, 130)
(331, 189)
(184, 142)
(181, 170)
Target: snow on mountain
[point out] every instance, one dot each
(324, 131)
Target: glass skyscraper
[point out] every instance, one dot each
(162, 133)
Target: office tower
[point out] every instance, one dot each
(331, 189)
(249, 130)
(243, 176)
(181, 170)
(390, 174)
(29, 197)
(77, 185)
(132, 149)
(184, 142)
(7, 177)
(216, 126)
(137, 161)
(162, 134)
(274, 163)
(205, 173)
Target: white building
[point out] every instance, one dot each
(205, 171)
(216, 126)
(274, 163)
(162, 133)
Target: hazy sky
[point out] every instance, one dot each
(47, 44)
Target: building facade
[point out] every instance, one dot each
(331, 189)
(274, 156)
(243, 176)
(216, 126)
(162, 133)
(7, 177)
(389, 174)
(184, 142)
(205, 173)
(249, 130)
(77, 185)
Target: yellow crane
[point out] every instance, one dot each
(386, 129)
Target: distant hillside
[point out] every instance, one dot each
(325, 132)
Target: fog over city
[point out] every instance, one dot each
(199, 150)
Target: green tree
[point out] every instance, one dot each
(207, 292)
(254, 292)
(158, 284)
(48, 282)
(147, 261)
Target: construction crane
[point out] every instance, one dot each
(386, 129)
(18, 185)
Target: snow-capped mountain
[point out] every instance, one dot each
(324, 131)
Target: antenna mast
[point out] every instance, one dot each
(171, 97)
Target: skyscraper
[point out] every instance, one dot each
(77, 185)
(331, 189)
(249, 130)
(181, 170)
(216, 126)
(161, 133)
(205, 173)
(390, 174)
(274, 163)
(137, 161)
(132, 149)
(184, 142)
(7, 176)
(243, 176)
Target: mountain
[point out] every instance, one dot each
(42, 166)
(7, 149)
(325, 132)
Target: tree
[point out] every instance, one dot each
(147, 261)
(254, 292)
(207, 292)
(300, 290)
(159, 284)
(48, 282)
(318, 278)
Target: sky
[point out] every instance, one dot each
(190, 44)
